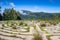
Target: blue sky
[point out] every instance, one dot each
(32, 5)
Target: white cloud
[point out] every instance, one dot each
(12, 4)
(36, 7)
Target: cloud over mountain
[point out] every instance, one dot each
(12, 4)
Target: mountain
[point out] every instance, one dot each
(39, 15)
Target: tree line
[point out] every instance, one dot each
(10, 14)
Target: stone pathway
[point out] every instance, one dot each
(41, 33)
(9, 34)
(55, 37)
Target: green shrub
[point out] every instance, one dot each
(13, 35)
(43, 25)
(3, 25)
(28, 29)
(37, 37)
(53, 23)
(2, 28)
(25, 24)
(48, 37)
(21, 23)
(14, 27)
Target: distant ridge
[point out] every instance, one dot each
(39, 15)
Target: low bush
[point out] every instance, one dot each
(37, 37)
(43, 25)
